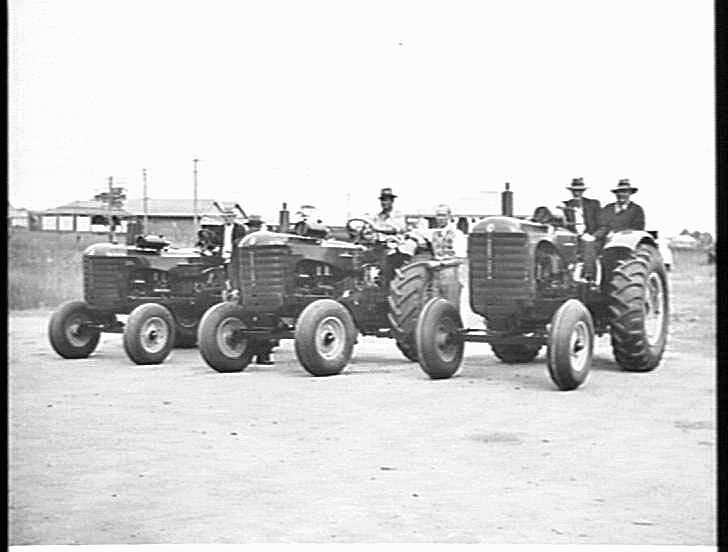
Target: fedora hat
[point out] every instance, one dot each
(623, 186)
(386, 192)
(577, 184)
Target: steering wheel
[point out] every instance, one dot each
(360, 230)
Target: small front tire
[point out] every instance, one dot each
(68, 333)
(438, 337)
(221, 338)
(570, 345)
(324, 337)
(150, 334)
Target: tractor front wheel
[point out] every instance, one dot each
(68, 332)
(149, 334)
(222, 339)
(570, 345)
(438, 337)
(324, 337)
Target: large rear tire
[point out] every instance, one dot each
(324, 337)
(570, 345)
(639, 310)
(408, 349)
(68, 333)
(149, 334)
(515, 354)
(439, 342)
(223, 344)
(407, 295)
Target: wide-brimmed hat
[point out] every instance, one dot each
(386, 193)
(255, 220)
(624, 186)
(577, 184)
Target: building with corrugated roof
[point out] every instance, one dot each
(171, 218)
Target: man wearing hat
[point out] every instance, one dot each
(388, 224)
(388, 221)
(623, 214)
(581, 213)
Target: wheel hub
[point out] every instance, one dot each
(76, 333)
(578, 349)
(330, 337)
(154, 334)
(231, 339)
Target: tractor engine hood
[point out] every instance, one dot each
(508, 225)
(263, 238)
(105, 249)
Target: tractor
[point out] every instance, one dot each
(321, 292)
(164, 290)
(527, 281)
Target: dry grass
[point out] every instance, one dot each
(44, 268)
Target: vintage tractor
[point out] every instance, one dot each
(527, 281)
(321, 292)
(164, 290)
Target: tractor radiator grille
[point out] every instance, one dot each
(264, 273)
(500, 273)
(105, 281)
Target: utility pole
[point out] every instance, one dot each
(194, 202)
(145, 201)
(112, 238)
(114, 199)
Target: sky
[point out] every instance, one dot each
(326, 102)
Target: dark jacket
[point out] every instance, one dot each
(632, 218)
(591, 209)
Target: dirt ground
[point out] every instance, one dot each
(102, 451)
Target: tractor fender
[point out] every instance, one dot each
(629, 239)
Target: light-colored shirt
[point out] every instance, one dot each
(447, 241)
(227, 242)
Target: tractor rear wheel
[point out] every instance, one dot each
(223, 344)
(439, 343)
(68, 333)
(570, 345)
(407, 294)
(639, 310)
(149, 334)
(515, 354)
(324, 337)
(408, 349)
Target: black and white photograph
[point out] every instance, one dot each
(344, 272)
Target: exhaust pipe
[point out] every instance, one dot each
(284, 219)
(507, 201)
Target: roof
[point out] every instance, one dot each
(13, 212)
(176, 207)
(135, 207)
(83, 207)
